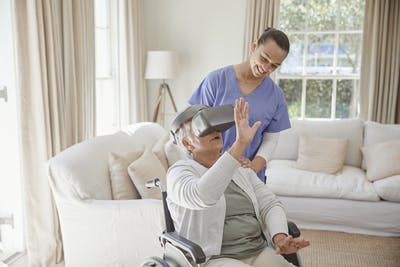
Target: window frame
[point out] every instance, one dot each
(334, 76)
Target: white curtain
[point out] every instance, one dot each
(260, 14)
(56, 105)
(380, 71)
(133, 97)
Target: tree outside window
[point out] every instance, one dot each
(320, 76)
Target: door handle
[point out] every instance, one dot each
(3, 93)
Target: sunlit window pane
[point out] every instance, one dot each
(344, 98)
(107, 90)
(351, 14)
(294, 61)
(105, 108)
(349, 54)
(320, 53)
(321, 15)
(318, 98)
(102, 18)
(103, 53)
(293, 15)
(292, 90)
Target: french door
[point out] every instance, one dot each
(11, 233)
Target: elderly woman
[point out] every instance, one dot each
(224, 207)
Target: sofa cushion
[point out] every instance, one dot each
(147, 167)
(378, 133)
(382, 159)
(351, 129)
(320, 154)
(388, 188)
(122, 186)
(286, 180)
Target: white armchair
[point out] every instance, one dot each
(96, 230)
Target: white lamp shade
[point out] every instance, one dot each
(161, 65)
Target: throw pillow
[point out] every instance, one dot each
(375, 133)
(158, 150)
(121, 184)
(174, 152)
(388, 188)
(382, 159)
(320, 154)
(147, 167)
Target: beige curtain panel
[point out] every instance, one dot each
(380, 71)
(56, 105)
(260, 14)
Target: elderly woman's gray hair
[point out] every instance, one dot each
(184, 132)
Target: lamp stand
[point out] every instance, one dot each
(161, 96)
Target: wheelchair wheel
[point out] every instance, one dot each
(155, 262)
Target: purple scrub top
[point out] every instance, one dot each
(266, 104)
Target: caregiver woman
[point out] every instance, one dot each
(250, 80)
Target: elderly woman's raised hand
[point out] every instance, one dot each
(244, 132)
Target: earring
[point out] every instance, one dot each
(189, 150)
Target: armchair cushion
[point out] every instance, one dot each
(122, 186)
(147, 167)
(111, 233)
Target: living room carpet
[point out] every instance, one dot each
(338, 249)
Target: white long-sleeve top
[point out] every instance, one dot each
(197, 204)
(268, 145)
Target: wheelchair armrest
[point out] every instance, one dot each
(186, 245)
(293, 230)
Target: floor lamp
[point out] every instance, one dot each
(162, 65)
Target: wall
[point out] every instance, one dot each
(207, 34)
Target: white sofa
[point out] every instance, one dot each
(346, 202)
(96, 230)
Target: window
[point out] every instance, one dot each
(107, 87)
(12, 242)
(320, 76)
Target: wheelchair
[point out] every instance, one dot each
(181, 252)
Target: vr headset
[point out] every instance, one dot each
(205, 120)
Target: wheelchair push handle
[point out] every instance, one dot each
(155, 183)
